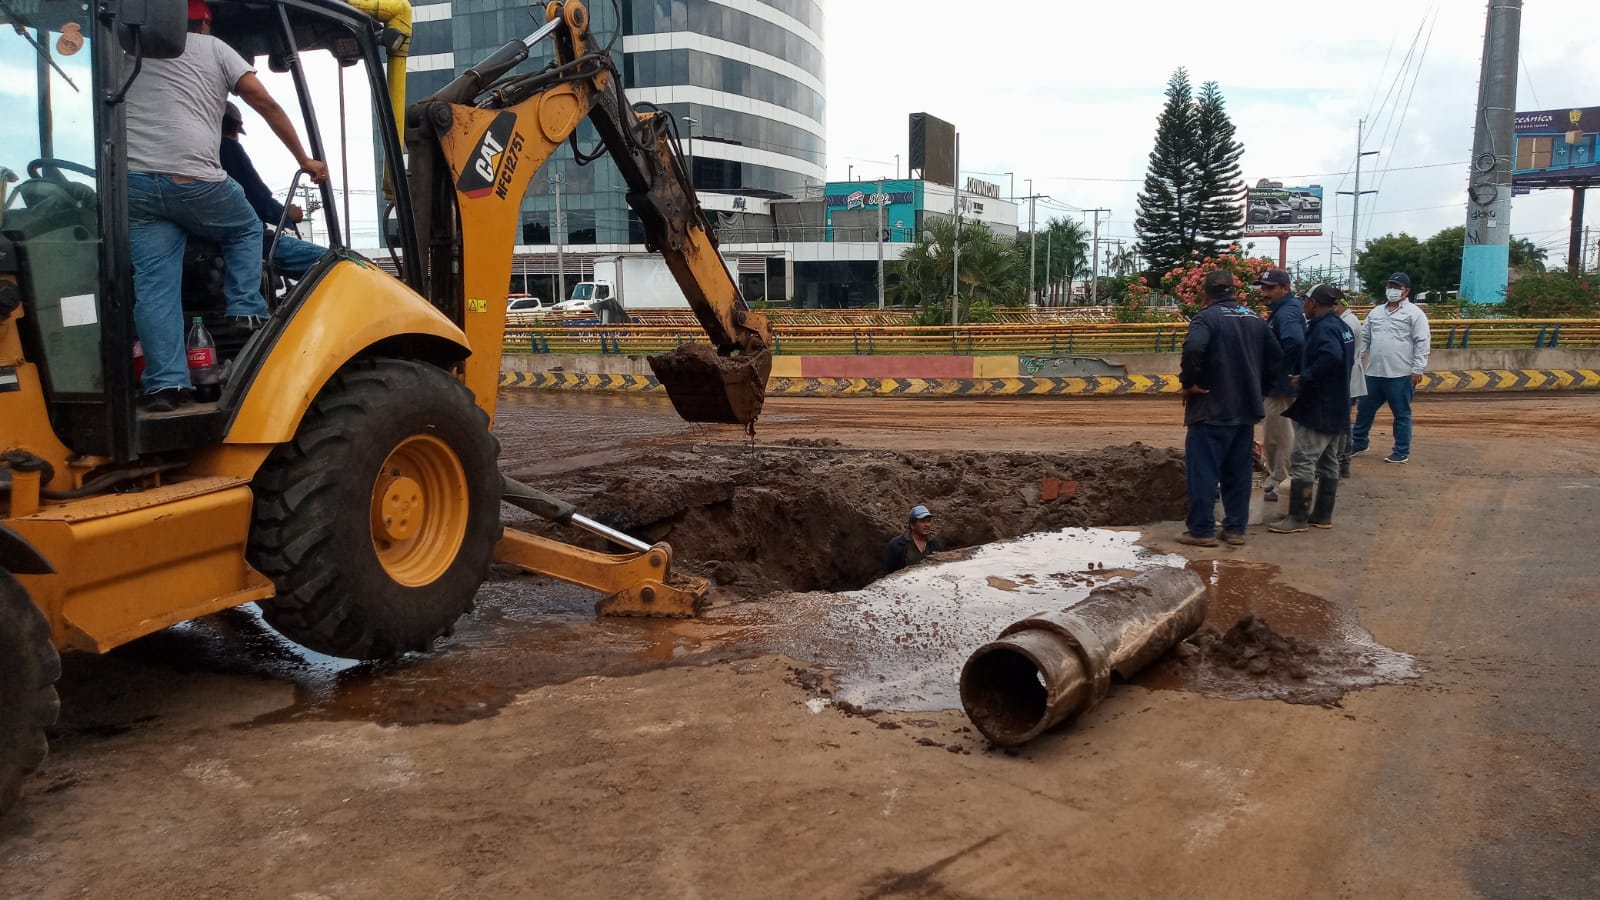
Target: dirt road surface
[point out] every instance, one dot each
(540, 753)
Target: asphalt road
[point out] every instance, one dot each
(542, 754)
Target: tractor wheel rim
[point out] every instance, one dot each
(419, 510)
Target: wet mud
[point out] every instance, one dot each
(816, 518)
(1265, 640)
(792, 536)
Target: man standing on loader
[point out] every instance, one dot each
(176, 187)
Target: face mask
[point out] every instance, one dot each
(1393, 295)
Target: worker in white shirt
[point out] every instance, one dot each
(1395, 337)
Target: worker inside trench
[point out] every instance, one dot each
(813, 516)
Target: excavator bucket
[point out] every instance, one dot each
(706, 387)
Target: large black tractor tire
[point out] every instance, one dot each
(378, 521)
(29, 668)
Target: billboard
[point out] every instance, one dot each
(932, 149)
(1271, 208)
(1556, 148)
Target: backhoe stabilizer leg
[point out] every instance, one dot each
(634, 584)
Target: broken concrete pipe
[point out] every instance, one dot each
(1052, 666)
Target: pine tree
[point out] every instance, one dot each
(1168, 204)
(1220, 189)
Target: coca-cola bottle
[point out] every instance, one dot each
(204, 371)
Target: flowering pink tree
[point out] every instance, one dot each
(1187, 282)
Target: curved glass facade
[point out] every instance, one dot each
(757, 104)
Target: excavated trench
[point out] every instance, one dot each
(811, 516)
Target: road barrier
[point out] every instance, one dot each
(1036, 339)
(1450, 381)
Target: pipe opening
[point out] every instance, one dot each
(1003, 692)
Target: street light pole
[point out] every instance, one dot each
(691, 122)
(879, 199)
(561, 244)
(955, 255)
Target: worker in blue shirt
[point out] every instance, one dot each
(291, 257)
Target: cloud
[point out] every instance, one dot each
(1066, 93)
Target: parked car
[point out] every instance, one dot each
(525, 310)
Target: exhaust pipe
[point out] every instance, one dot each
(1050, 667)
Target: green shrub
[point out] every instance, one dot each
(1552, 295)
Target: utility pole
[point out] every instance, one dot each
(1355, 205)
(1049, 283)
(955, 252)
(1577, 247)
(1587, 243)
(880, 199)
(1486, 256)
(561, 244)
(310, 202)
(1033, 240)
(1094, 260)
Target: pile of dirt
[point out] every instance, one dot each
(1251, 660)
(763, 519)
(1250, 646)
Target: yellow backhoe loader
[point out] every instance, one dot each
(347, 479)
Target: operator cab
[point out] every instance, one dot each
(63, 208)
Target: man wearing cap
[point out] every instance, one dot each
(1321, 412)
(917, 542)
(1358, 380)
(176, 187)
(1287, 319)
(291, 256)
(1396, 340)
(1230, 359)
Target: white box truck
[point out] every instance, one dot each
(637, 282)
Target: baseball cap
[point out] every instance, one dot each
(199, 11)
(920, 512)
(1274, 277)
(1325, 294)
(232, 117)
(1220, 283)
(1401, 279)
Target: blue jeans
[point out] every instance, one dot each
(161, 215)
(293, 256)
(1397, 393)
(1212, 455)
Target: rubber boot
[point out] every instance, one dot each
(1299, 506)
(1322, 510)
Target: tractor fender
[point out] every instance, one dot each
(19, 556)
(354, 309)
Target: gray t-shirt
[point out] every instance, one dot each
(175, 109)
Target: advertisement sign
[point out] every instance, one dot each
(933, 149)
(1271, 208)
(1556, 148)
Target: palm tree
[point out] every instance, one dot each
(1062, 254)
(990, 269)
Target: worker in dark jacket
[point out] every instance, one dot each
(1320, 412)
(291, 256)
(918, 541)
(1287, 320)
(1229, 360)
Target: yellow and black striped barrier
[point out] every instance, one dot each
(1444, 381)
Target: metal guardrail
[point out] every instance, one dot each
(1061, 339)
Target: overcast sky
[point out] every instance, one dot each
(1068, 94)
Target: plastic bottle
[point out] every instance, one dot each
(203, 369)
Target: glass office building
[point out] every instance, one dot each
(748, 73)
